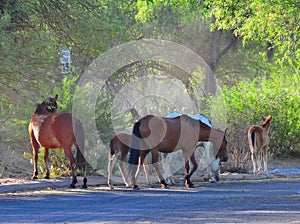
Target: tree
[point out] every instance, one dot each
(261, 21)
(32, 34)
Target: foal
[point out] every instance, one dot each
(120, 144)
(259, 142)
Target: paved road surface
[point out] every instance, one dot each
(244, 201)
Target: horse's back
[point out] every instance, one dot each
(120, 142)
(167, 133)
(255, 134)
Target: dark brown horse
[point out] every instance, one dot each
(120, 144)
(57, 130)
(159, 134)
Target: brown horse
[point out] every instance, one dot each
(159, 134)
(258, 140)
(57, 130)
(120, 144)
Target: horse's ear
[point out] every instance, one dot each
(225, 131)
(55, 98)
(263, 117)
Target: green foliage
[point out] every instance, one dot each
(275, 22)
(247, 102)
(58, 163)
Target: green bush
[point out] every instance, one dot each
(247, 102)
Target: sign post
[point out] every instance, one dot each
(65, 59)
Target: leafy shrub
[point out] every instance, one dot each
(58, 163)
(247, 102)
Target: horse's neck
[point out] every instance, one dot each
(267, 127)
(41, 117)
(210, 134)
(216, 135)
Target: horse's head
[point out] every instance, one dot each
(51, 104)
(222, 153)
(266, 120)
(48, 106)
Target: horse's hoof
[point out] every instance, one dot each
(111, 187)
(84, 186)
(34, 178)
(212, 180)
(164, 186)
(72, 186)
(46, 177)
(135, 187)
(189, 185)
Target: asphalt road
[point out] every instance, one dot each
(256, 201)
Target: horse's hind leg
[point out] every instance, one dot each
(46, 159)
(189, 174)
(111, 163)
(265, 159)
(253, 158)
(154, 154)
(259, 161)
(84, 185)
(80, 162)
(73, 165)
(167, 169)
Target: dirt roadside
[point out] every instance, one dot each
(15, 173)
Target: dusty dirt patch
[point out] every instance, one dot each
(13, 164)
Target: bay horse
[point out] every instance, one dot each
(258, 140)
(160, 134)
(120, 144)
(50, 129)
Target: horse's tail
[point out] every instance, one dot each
(251, 138)
(80, 138)
(135, 148)
(112, 146)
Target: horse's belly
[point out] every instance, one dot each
(168, 147)
(50, 143)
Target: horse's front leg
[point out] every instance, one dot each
(154, 153)
(121, 167)
(46, 159)
(111, 163)
(143, 163)
(35, 147)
